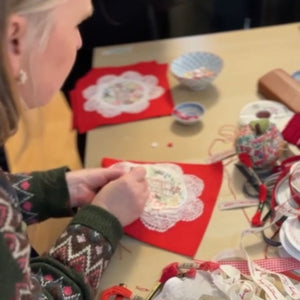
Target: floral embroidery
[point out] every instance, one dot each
(174, 196)
(130, 92)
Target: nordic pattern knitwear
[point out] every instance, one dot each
(74, 265)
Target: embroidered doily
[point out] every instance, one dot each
(124, 90)
(129, 92)
(173, 195)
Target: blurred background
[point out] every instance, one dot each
(126, 21)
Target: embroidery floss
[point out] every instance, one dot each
(256, 219)
(22, 78)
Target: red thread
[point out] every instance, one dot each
(119, 291)
(142, 289)
(256, 220)
(262, 193)
(245, 159)
(228, 134)
(209, 266)
(191, 273)
(169, 271)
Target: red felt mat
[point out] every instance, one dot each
(185, 237)
(291, 132)
(122, 96)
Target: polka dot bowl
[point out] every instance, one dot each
(188, 113)
(196, 70)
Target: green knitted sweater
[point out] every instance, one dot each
(73, 266)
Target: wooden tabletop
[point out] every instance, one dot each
(247, 55)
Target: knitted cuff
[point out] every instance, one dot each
(43, 266)
(102, 221)
(50, 193)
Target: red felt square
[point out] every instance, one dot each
(184, 237)
(127, 93)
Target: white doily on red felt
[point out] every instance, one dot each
(174, 196)
(129, 92)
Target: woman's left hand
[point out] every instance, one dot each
(84, 184)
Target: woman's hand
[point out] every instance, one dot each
(84, 184)
(125, 197)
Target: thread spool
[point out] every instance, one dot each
(275, 112)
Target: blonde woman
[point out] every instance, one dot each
(38, 44)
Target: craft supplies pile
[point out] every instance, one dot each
(202, 280)
(261, 149)
(183, 195)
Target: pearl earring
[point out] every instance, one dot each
(22, 77)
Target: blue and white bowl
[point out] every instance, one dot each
(182, 67)
(188, 113)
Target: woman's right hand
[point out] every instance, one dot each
(125, 197)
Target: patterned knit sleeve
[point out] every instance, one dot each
(42, 195)
(74, 265)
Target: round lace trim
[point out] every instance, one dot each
(174, 196)
(130, 92)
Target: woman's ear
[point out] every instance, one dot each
(15, 40)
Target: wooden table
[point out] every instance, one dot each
(247, 55)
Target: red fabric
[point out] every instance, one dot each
(86, 120)
(291, 132)
(185, 237)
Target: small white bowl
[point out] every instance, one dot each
(188, 113)
(196, 70)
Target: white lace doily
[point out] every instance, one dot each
(129, 92)
(173, 195)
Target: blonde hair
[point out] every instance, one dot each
(38, 15)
